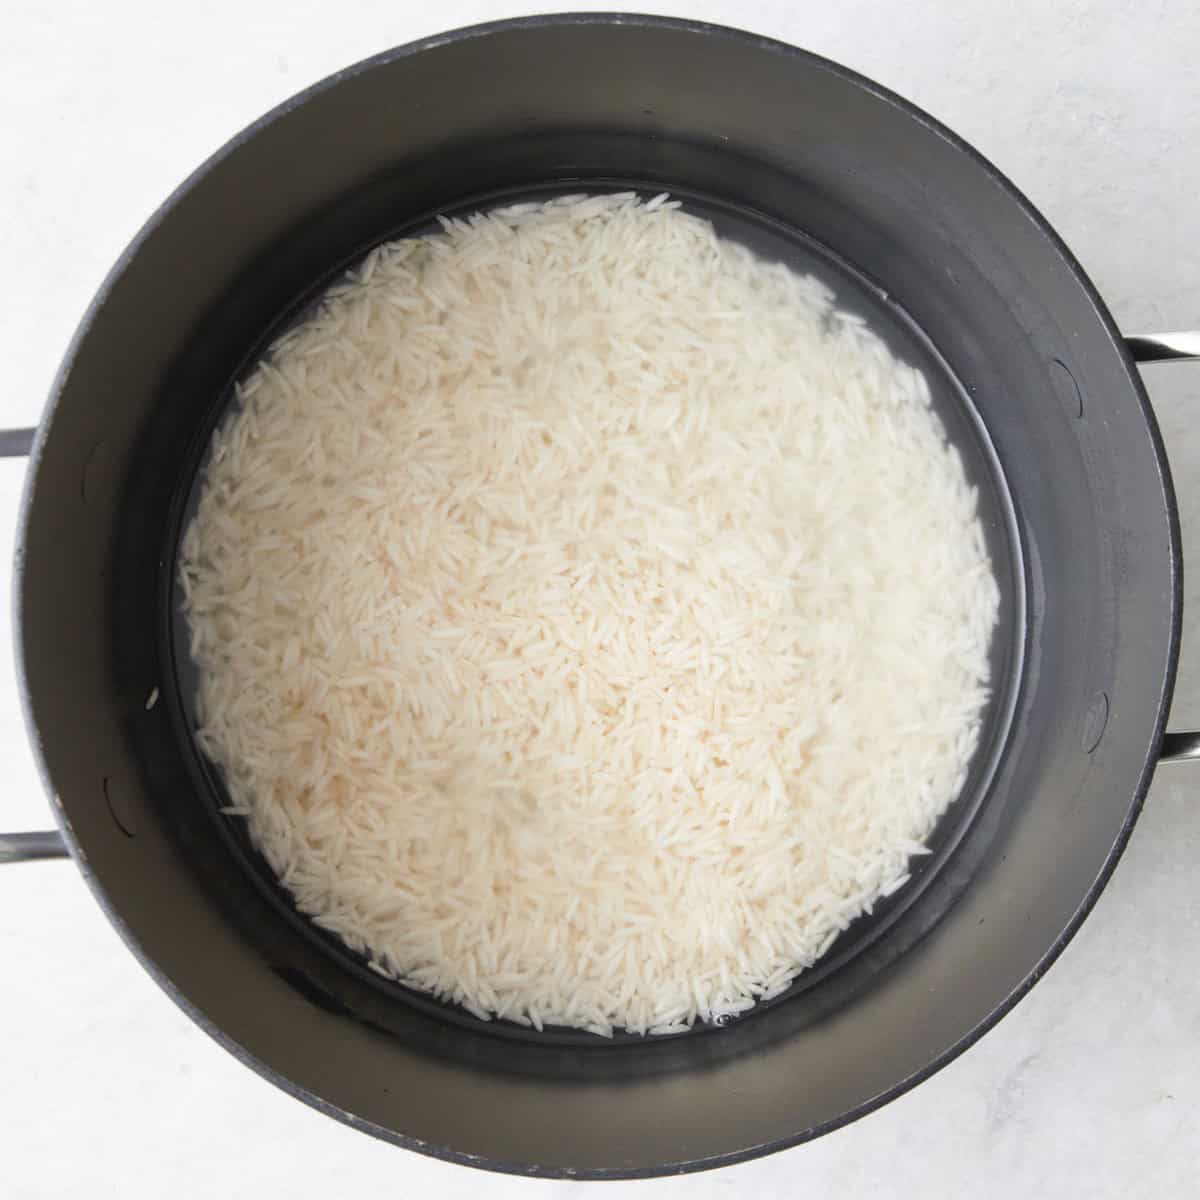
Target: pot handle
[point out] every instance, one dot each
(1164, 347)
(1169, 347)
(1176, 747)
(25, 847)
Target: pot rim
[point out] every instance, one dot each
(767, 45)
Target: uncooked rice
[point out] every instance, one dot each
(592, 620)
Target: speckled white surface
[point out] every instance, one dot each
(1091, 1088)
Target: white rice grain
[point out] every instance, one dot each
(592, 620)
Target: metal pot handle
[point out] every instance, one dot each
(1169, 347)
(25, 847)
(1163, 347)
(1176, 747)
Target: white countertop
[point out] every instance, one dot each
(1090, 1088)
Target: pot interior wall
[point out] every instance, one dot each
(789, 142)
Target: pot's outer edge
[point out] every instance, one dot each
(767, 45)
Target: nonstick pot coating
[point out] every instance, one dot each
(770, 136)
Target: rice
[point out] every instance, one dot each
(592, 620)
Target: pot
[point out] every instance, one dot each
(806, 161)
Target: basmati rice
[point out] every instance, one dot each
(592, 620)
